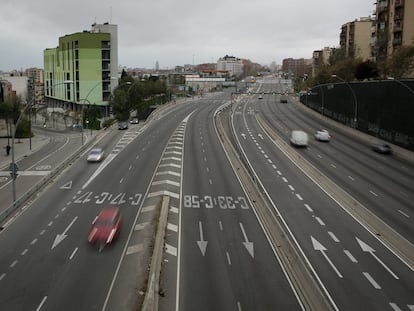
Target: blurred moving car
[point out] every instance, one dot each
(322, 135)
(95, 155)
(299, 138)
(122, 125)
(105, 227)
(382, 148)
(134, 120)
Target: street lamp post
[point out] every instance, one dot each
(13, 166)
(401, 83)
(354, 96)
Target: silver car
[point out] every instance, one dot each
(95, 155)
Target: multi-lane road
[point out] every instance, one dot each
(217, 254)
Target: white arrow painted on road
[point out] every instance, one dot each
(366, 248)
(60, 237)
(317, 246)
(243, 135)
(246, 243)
(68, 185)
(260, 135)
(202, 244)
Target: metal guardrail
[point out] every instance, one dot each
(44, 181)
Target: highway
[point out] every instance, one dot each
(218, 253)
(224, 259)
(46, 262)
(348, 260)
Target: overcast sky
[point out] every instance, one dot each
(178, 32)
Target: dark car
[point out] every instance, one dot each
(134, 121)
(123, 125)
(105, 227)
(382, 148)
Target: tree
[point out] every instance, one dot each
(401, 64)
(366, 70)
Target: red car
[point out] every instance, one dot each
(105, 227)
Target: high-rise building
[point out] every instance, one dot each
(355, 38)
(231, 64)
(83, 68)
(393, 27)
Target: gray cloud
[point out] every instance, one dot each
(176, 32)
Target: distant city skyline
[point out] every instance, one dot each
(178, 33)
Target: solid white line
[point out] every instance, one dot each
(352, 258)
(371, 280)
(73, 253)
(41, 303)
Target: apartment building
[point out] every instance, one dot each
(83, 68)
(393, 27)
(320, 58)
(231, 64)
(355, 38)
(297, 67)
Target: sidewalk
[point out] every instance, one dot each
(21, 148)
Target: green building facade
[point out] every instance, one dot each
(82, 69)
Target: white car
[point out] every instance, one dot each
(299, 138)
(95, 155)
(322, 135)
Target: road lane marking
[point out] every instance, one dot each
(320, 221)
(134, 249)
(406, 215)
(285, 179)
(291, 187)
(394, 306)
(172, 227)
(299, 196)
(317, 246)
(167, 182)
(41, 303)
(14, 263)
(351, 258)
(371, 280)
(351, 178)
(2, 276)
(308, 207)
(333, 236)
(366, 248)
(24, 252)
(373, 193)
(170, 249)
(228, 258)
(73, 253)
(148, 208)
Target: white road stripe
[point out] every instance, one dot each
(308, 208)
(394, 306)
(371, 280)
(319, 220)
(333, 236)
(170, 249)
(352, 258)
(406, 215)
(172, 227)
